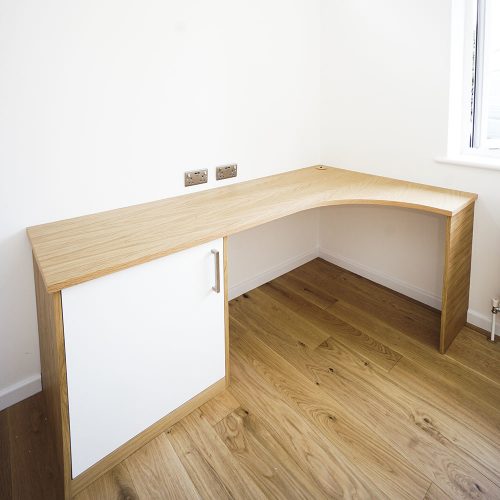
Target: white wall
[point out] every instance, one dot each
(385, 68)
(105, 103)
(263, 253)
(363, 239)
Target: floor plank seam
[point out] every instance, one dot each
(395, 364)
(427, 491)
(476, 372)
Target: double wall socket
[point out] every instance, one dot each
(226, 171)
(194, 177)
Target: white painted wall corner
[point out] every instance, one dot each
(270, 274)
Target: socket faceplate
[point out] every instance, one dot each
(226, 171)
(194, 177)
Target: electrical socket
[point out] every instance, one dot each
(226, 172)
(194, 177)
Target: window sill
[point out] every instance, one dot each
(471, 161)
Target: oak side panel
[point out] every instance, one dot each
(456, 278)
(53, 367)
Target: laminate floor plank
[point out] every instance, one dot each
(115, 484)
(310, 291)
(476, 353)
(157, 472)
(32, 477)
(413, 409)
(442, 377)
(372, 349)
(337, 391)
(328, 469)
(382, 464)
(478, 416)
(209, 462)
(290, 321)
(249, 310)
(417, 320)
(316, 268)
(434, 493)
(435, 455)
(5, 466)
(263, 458)
(219, 407)
(200, 469)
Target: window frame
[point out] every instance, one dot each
(481, 61)
(465, 91)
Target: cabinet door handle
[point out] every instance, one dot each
(216, 288)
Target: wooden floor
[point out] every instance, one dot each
(337, 391)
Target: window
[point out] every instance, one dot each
(485, 92)
(474, 110)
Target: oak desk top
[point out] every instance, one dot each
(76, 250)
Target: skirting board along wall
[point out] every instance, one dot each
(19, 391)
(381, 278)
(265, 252)
(473, 317)
(270, 274)
(400, 286)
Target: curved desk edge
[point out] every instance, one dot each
(72, 251)
(76, 250)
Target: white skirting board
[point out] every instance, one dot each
(270, 274)
(19, 391)
(482, 321)
(473, 317)
(382, 279)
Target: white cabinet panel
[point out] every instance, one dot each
(140, 343)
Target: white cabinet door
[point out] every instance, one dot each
(140, 343)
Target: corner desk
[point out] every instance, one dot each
(133, 319)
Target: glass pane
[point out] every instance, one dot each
(492, 70)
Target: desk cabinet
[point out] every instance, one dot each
(143, 331)
(139, 344)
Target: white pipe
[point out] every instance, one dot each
(495, 308)
(493, 320)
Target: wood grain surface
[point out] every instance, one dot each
(54, 381)
(77, 250)
(456, 277)
(365, 407)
